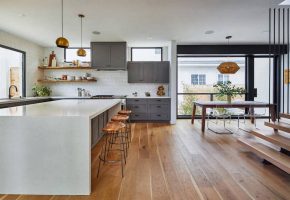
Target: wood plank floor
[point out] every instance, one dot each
(179, 162)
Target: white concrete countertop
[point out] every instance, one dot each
(46, 147)
(62, 108)
(150, 97)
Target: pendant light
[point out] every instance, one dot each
(228, 67)
(62, 42)
(81, 51)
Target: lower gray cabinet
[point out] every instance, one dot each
(97, 124)
(149, 109)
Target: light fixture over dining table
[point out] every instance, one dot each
(228, 67)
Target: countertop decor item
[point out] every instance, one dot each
(228, 67)
(147, 94)
(160, 91)
(41, 91)
(81, 51)
(229, 90)
(62, 42)
(51, 57)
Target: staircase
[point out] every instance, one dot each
(278, 136)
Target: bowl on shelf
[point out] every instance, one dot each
(91, 78)
(70, 78)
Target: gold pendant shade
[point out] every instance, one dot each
(62, 42)
(228, 68)
(81, 52)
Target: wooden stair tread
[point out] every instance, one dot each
(279, 125)
(275, 138)
(285, 115)
(275, 157)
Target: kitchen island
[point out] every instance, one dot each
(46, 147)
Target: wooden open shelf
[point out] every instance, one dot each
(59, 68)
(66, 81)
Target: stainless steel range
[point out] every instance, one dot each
(109, 96)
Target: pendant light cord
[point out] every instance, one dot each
(62, 18)
(81, 32)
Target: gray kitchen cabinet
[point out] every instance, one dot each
(135, 72)
(148, 72)
(98, 123)
(109, 55)
(161, 72)
(149, 109)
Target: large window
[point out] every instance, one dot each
(146, 53)
(11, 72)
(196, 77)
(70, 54)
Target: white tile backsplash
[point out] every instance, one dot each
(108, 82)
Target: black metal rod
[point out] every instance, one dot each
(288, 94)
(283, 62)
(279, 61)
(270, 18)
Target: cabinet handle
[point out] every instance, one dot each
(158, 106)
(159, 115)
(136, 100)
(136, 115)
(159, 100)
(136, 107)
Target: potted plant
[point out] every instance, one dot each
(229, 90)
(41, 91)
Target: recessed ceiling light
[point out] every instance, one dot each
(22, 15)
(149, 38)
(209, 32)
(96, 32)
(285, 3)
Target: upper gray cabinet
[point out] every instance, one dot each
(148, 72)
(109, 55)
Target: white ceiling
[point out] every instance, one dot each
(139, 22)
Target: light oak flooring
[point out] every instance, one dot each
(178, 162)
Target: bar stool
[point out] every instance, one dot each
(127, 113)
(124, 119)
(112, 131)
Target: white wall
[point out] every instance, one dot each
(34, 55)
(172, 53)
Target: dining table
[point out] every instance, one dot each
(251, 105)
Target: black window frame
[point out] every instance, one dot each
(64, 53)
(147, 48)
(23, 67)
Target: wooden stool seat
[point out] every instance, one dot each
(120, 118)
(113, 127)
(125, 112)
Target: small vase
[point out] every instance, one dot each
(229, 99)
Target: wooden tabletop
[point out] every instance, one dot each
(233, 103)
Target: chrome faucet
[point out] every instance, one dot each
(10, 90)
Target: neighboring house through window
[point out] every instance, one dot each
(146, 54)
(198, 79)
(222, 78)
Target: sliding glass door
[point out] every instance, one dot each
(196, 77)
(11, 72)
